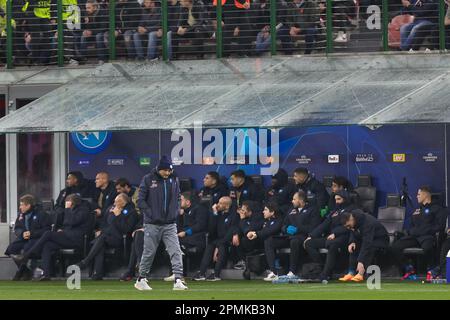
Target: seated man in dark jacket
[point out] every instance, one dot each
(192, 24)
(75, 183)
(31, 223)
(124, 186)
(94, 24)
(105, 194)
(149, 26)
(222, 226)
(192, 224)
(137, 247)
(302, 18)
(330, 234)
(279, 190)
(243, 188)
(251, 220)
(426, 221)
(70, 228)
(297, 225)
(118, 222)
(127, 18)
(213, 188)
(315, 191)
(367, 236)
(426, 14)
(340, 183)
(271, 226)
(236, 19)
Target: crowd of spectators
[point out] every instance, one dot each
(192, 27)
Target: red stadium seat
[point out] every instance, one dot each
(394, 29)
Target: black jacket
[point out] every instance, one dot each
(253, 223)
(159, 199)
(315, 191)
(200, 14)
(76, 222)
(427, 220)
(173, 16)
(271, 227)
(109, 195)
(194, 220)
(280, 193)
(368, 233)
(150, 19)
(127, 15)
(123, 224)
(304, 219)
(84, 189)
(424, 9)
(215, 193)
(223, 225)
(332, 224)
(234, 16)
(247, 191)
(38, 223)
(97, 22)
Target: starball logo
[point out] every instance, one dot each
(228, 146)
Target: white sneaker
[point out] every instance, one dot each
(291, 275)
(342, 37)
(73, 62)
(427, 50)
(270, 277)
(179, 285)
(411, 50)
(170, 278)
(142, 285)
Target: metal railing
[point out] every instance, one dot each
(67, 32)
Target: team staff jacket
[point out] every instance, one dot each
(427, 220)
(303, 219)
(34, 221)
(194, 220)
(159, 199)
(315, 191)
(271, 227)
(253, 223)
(332, 224)
(223, 225)
(368, 231)
(281, 195)
(83, 189)
(75, 222)
(123, 224)
(108, 196)
(215, 193)
(247, 191)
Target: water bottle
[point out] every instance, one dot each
(448, 267)
(438, 281)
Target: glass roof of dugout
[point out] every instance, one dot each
(252, 92)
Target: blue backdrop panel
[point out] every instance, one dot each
(334, 150)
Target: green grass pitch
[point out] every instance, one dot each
(226, 289)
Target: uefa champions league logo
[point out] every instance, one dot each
(91, 142)
(219, 147)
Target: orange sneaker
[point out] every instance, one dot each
(358, 278)
(347, 277)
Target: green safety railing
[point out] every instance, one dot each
(385, 18)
